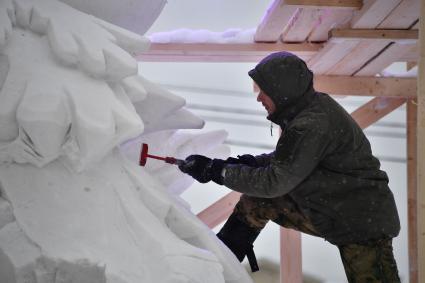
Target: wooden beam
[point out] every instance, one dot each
(421, 149)
(375, 109)
(400, 36)
(366, 86)
(412, 188)
(220, 210)
(216, 52)
(290, 256)
(277, 17)
(373, 13)
(336, 4)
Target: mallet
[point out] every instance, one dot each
(144, 156)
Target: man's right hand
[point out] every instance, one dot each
(197, 166)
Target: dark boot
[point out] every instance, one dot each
(239, 237)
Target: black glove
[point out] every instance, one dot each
(203, 169)
(246, 159)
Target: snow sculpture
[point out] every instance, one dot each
(72, 207)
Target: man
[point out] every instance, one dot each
(322, 178)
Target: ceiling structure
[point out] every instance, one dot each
(334, 37)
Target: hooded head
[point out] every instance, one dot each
(286, 79)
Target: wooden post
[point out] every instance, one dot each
(290, 256)
(411, 116)
(421, 148)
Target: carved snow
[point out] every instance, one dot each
(72, 208)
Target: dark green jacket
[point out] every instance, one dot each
(323, 160)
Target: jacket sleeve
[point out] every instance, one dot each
(264, 159)
(298, 152)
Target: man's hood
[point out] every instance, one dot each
(286, 79)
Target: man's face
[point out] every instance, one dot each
(266, 101)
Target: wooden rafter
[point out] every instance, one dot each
(304, 22)
(330, 55)
(366, 86)
(402, 17)
(375, 109)
(373, 13)
(393, 53)
(277, 17)
(220, 210)
(357, 57)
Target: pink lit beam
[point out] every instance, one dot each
(220, 210)
(290, 256)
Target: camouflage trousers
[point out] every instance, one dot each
(363, 263)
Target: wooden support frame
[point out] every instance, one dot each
(421, 149)
(388, 17)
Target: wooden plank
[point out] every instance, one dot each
(277, 17)
(412, 189)
(421, 150)
(393, 53)
(290, 256)
(330, 55)
(395, 35)
(301, 25)
(358, 57)
(220, 210)
(366, 86)
(328, 19)
(402, 17)
(375, 109)
(215, 52)
(373, 13)
(335, 4)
